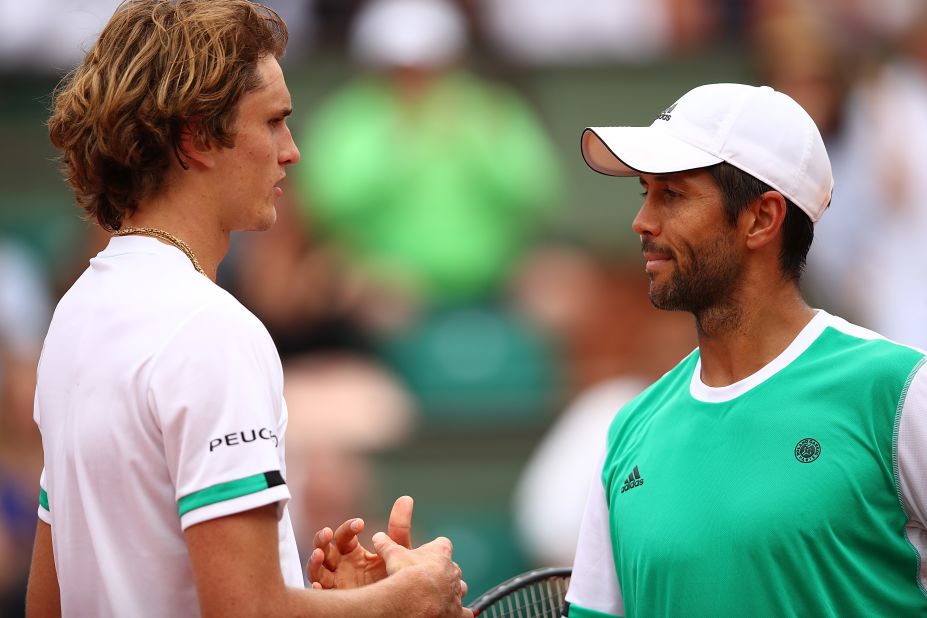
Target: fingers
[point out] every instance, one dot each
(466, 613)
(319, 576)
(345, 537)
(384, 545)
(323, 537)
(314, 568)
(442, 545)
(400, 521)
(463, 585)
(322, 541)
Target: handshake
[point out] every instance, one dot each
(427, 581)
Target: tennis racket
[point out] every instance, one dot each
(534, 594)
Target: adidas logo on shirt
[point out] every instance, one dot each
(634, 480)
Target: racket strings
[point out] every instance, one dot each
(542, 599)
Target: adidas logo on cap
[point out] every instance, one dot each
(666, 114)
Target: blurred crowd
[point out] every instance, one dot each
(417, 280)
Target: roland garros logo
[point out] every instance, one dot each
(807, 450)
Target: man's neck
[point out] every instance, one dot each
(738, 340)
(191, 221)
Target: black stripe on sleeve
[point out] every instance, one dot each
(274, 478)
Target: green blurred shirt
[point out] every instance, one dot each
(442, 192)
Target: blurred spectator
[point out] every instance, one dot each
(24, 316)
(342, 410)
(551, 492)
(558, 32)
(797, 52)
(875, 128)
(300, 288)
(25, 308)
(597, 309)
(49, 35)
(617, 345)
(430, 179)
(895, 284)
(300, 24)
(53, 35)
(865, 23)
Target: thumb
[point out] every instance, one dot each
(383, 545)
(400, 521)
(390, 552)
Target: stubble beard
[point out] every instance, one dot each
(707, 288)
(268, 220)
(264, 219)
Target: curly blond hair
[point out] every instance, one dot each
(160, 67)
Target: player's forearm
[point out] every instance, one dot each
(406, 593)
(43, 598)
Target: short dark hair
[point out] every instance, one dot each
(739, 189)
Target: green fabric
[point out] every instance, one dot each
(581, 612)
(439, 196)
(221, 492)
(730, 522)
(43, 499)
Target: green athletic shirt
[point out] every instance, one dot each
(798, 491)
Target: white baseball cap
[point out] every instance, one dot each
(421, 33)
(756, 129)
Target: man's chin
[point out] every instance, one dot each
(265, 222)
(661, 299)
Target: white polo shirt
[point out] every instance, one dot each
(160, 402)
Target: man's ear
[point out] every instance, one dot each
(767, 214)
(193, 148)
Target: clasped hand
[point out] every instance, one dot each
(339, 561)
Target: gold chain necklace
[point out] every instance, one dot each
(156, 233)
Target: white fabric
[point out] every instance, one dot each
(912, 465)
(912, 428)
(557, 479)
(424, 33)
(151, 382)
(554, 32)
(598, 587)
(594, 581)
(756, 129)
(715, 394)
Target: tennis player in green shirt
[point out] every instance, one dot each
(779, 469)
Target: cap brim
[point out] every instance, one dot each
(630, 151)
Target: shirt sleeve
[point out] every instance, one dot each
(912, 462)
(44, 509)
(594, 591)
(216, 389)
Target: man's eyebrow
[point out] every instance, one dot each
(677, 179)
(286, 111)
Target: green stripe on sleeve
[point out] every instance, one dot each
(581, 612)
(228, 491)
(43, 499)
